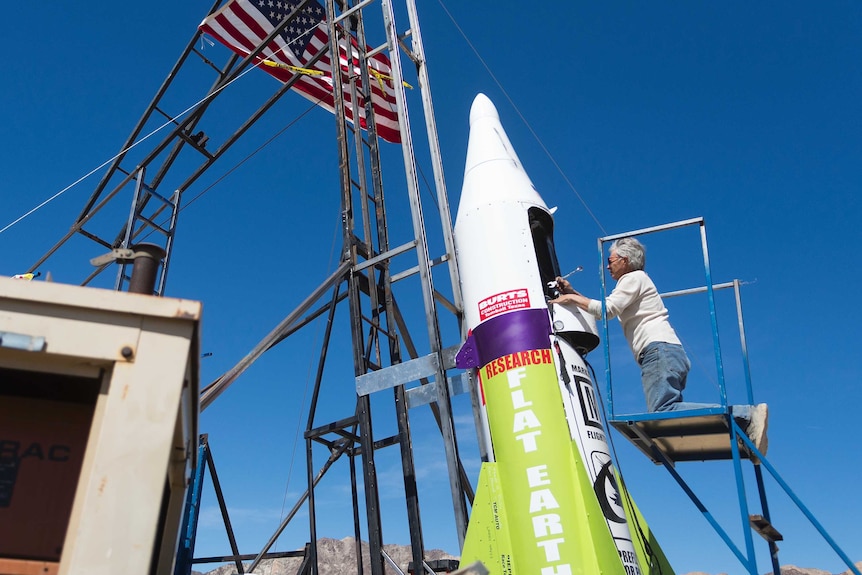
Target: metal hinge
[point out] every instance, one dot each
(22, 341)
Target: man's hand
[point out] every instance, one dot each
(564, 286)
(569, 296)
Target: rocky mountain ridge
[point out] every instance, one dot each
(338, 557)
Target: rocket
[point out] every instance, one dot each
(548, 501)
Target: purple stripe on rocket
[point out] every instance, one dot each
(504, 334)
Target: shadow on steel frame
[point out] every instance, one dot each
(709, 433)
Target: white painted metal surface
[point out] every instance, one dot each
(142, 354)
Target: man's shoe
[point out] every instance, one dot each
(756, 430)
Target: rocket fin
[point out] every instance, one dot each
(599, 551)
(488, 538)
(650, 555)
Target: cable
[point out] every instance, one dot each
(120, 153)
(308, 373)
(172, 120)
(299, 421)
(237, 165)
(245, 159)
(428, 188)
(523, 119)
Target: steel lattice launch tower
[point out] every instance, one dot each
(548, 501)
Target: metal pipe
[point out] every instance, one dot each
(223, 508)
(605, 337)
(148, 259)
(696, 290)
(742, 342)
(450, 443)
(716, 341)
(660, 228)
(418, 56)
(298, 505)
(215, 389)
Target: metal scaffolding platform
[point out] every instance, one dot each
(709, 432)
(681, 436)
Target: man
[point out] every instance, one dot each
(653, 341)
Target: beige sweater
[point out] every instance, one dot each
(642, 314)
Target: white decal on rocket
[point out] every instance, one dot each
(503, 301)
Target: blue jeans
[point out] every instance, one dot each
(664, 369)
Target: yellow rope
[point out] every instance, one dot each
(381, 76)
(296, 69)
(378, 75)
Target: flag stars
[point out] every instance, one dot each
(298, 33)
(302, 38)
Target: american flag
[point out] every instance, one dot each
(242, 25)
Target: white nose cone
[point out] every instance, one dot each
(493, 171)
(493, 239)
(488, 141)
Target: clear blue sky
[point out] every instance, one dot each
(744, 114)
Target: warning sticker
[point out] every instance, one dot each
(503, 302)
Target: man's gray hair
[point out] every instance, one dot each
(632, 250)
